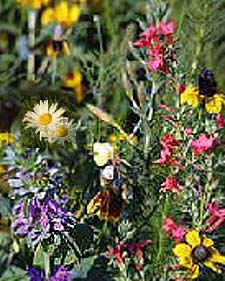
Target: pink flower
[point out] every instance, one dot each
(177, 232)
(169, 142)
(156, 63)
(171, 184)
(117, 253)
(217, 216)
(167, 28)
(166, 158)
(202, 144)
(188, 131)
(220, 121)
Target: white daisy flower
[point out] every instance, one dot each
(65, 131)
(43, 117)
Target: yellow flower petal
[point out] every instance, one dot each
(207, 242)
(213, 266)
(193, 238)
(216, 257)
(182, 250)
(194, 273)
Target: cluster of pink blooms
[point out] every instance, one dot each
(132, 249)
(173, 230)
(169, 143)
(202, 144)
(159, 43)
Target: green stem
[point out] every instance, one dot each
(47, 264)
(31, 43)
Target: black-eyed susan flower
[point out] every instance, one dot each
(63, 13)
(56, 48)
(190, 96)
(35, 4)
(198, 251)
(103, 152)
(107, 205)
(73, 80)
(43, 118)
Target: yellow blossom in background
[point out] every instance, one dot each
(62, 13)
(215, 103)
(7, 138)
(47, 16)
(113, 138)
(198, 251)
(190, 96)
(35, 4)
(73, 80)
(56, 48)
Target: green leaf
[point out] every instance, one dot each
(39, 257)
(14, 274)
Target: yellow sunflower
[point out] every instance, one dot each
(190, 96)
(198, 250)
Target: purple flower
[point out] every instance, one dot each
(60, 273)
(44, 217)
(36, 275)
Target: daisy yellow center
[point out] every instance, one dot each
(61, 132)
(45, 119)
(200, 253)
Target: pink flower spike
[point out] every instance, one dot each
(220, 121)
(149, 32)
(202, 144)
(171, 184)
(177, 232)
(167, 28)
(217, 217)
(156, 63)
(166, 107)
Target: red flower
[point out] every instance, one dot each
(117, 253)
(220, 121)
(217, 216)
(202, 144)
(177, 232)
(171, 184)
(169, 142)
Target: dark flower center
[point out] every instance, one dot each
(57, 45)
(200, 253)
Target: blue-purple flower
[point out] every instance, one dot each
(44, 217)
(60, 273)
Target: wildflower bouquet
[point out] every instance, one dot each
(111, 142)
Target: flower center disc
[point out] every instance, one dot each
(61, 132)
(200, 253)
(45, 119)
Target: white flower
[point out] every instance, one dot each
(64, 131)
(43, 117)
(103, 152)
